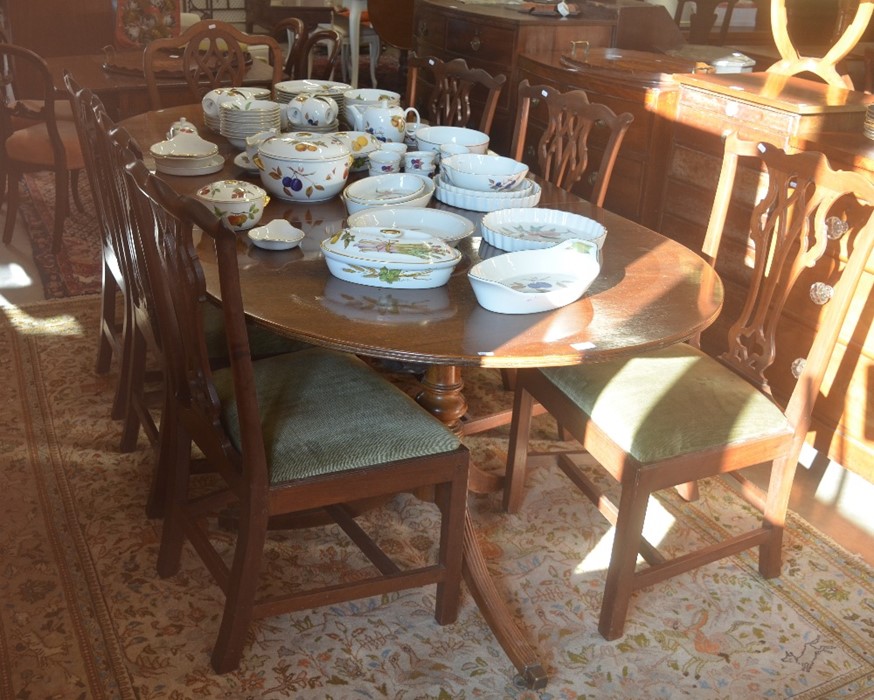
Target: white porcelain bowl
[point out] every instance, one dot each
(184, 145)
(448, 227)
(430, 138)
(393, 189)
(303, 167)
(386, 257)
(361, 144)
(238, 203)
(529, 229)
(279, 234)
(531, 281)
(484, 173)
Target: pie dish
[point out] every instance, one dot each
(530, 229)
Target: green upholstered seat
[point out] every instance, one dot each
(307, 435)
(639, 403)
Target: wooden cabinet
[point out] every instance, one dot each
(60, 28)
(791, 113)
(493, 37)
(266, 13)
(636, 82)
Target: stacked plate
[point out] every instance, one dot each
(526, 194)
(186, 154)
(241, 119)
(288, 89)
(214, 98)
(393, 189)
(868, 128)
(531, 229)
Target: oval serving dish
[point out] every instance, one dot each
(531, 281)
(386, 257)
(530, 229)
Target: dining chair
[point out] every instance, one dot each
(367, 36)
(302, 433)
(34, 139)
(677, 415)
(214, 53)
(89, 111)
(453, 83)
(299, 63)
(563, 149)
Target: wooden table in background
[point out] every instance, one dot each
(652, 292)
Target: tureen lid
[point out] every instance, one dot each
(302, 145)
(230, 191)
(372, 244)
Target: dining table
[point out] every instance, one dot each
(651, 292)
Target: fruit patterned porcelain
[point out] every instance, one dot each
(304, 111)
(386, 257)
(485, 173)
(361, 144)
(304, 167)
(386, 123)
(239, 204)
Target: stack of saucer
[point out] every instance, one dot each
(186, 154)
(868, 128)
(214, 98)
(239, 120)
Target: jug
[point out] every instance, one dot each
(385, 123)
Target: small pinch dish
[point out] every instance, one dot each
(279, 234)
(532, 281)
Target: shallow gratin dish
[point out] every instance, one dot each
(387, 257)
(450, 228)
(531, 281)
(530, 229)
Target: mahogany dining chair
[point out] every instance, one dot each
(674, 416)
(214, 54)
(453, 83)
(299, 61)
(307, 432)
(35, 139)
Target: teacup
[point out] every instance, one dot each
(385, 161)
(420, 162)
(311, 110)
(395, 147)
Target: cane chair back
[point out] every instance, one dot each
(214, 54)
(270, 429)
(677, 415)
(454, 85)
(46, 144)
(563, 150)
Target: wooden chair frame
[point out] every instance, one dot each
(212, 56)
(563, 152)
(192, 410)
(449, 102)
(808, 214)
(300, 46)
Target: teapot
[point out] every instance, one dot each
(385, 123)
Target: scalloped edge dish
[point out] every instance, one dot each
(516, 229)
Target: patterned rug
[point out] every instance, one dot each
(84, 615)
(75, 270)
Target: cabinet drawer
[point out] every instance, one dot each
(718, 112)
(430, 28)
(483, 42)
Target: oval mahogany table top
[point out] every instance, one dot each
(652, 292)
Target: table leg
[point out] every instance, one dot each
(441, 395)
(355, 8)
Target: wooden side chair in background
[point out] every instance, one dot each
(449, 102)
(48, 143)
(673, 416)
(213, 54)
(562, 151)
(269, 430)
(299, 63)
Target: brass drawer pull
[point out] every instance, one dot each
(475, 43)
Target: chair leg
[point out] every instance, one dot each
(375, 50)
(62, 208)
(626, 544)
(175, 461)
(517, 450)
(689, 491)
(122, 388)
(12, 204)
(74, 190)
(451, 499)
(108, 293)
(133, 379)
(237, 616)
(776, 505)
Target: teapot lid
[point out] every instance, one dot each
(303, 145)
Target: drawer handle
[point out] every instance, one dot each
(423, 28)
(584, 44)
(475, 43)
(593, 177)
